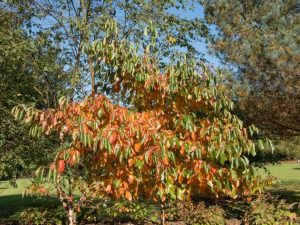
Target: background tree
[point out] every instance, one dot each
(76, 23)
(29, 73)
(260, 39)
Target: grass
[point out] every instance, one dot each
(12, 203)
(288, 186)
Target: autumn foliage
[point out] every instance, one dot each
(176, 138)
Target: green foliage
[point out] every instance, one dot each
(42, 216)
(122, 211)
(21, 81)
(261, 39)
(285, 148)
(288, 148)
(273, 213)
(196, 214)
(75, 24)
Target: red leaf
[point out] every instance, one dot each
(113, 137)
(61, 166)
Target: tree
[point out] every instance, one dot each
(178, 137)
(29, 73)
(76, 23)
(260, 39)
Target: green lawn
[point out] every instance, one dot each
(289, 181)
(286, 172)
(12, 202)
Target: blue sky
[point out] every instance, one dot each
(198, 12)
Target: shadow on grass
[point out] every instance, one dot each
(12, 205)
(290, 195)
(296, 168)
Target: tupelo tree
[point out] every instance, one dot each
(175, 138)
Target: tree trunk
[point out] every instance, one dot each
(163, 222)
(71, 214)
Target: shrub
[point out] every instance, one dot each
(177, 139)
(196, 214)
(271, 212)
(122, 211)
(42, 216)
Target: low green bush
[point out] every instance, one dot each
(108, 211)
(42, 216)
(271, 212)
(196, 214)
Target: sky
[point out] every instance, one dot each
(198, 12)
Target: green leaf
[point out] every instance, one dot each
(210, 184)
(261, 145)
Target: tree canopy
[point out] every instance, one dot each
(72, 24)
(261, 39)
(30, 73)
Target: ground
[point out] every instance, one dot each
(12, 202)
(289, 180)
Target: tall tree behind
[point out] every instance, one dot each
(79, 22)
(261, 39)
(30, 73)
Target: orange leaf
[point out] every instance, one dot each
(131, 162)
(108, 188)
(213, 170)
(85, 128)
(182, 150)
(180, 178)
(166, 160)
(128, 196)
(137, 147)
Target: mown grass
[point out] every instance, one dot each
(288, 186)
(12, 202)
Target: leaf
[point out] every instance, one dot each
(116, 183)
(210, 184)
(62, 101)
(128, 196)
(61, 166)
(166, 160)
(271, 145)
(261, 145)
(137, 147)
(222, 157)
(131, 162)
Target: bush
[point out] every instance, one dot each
(108, 211)
(43, 216)
(263, 211)
(196, 214)
(274, 212)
